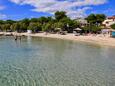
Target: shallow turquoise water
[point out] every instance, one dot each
(53, 62)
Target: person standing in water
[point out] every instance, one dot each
(15, 37)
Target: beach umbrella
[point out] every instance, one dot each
(78, 29)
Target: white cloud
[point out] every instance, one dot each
(73, 8)
(109, 10)
(3, 16)
(2, 7)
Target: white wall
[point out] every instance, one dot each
(108, 22)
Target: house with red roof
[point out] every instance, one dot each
(109, 21)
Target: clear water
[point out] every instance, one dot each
(53, 62)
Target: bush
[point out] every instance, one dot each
(91, 28)
(113, 26)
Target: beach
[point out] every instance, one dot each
(98, 39)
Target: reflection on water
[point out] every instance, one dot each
(53, 62)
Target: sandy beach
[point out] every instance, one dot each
(99, 39)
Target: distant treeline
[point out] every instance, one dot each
(60, 21)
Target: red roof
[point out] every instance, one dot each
(112, 17)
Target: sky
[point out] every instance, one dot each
(19, 9)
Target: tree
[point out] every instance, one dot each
(72, 25)
(65, 22)
(92, 28)
(91, 19)
(25, 21)
(69, 24)
(75, 24)
(47, 27)
(34, 27)
(100, 18)
(1, 27)
(96, 18)
(2, 22)
(44, 20)
(113, 26)
(39, 27)
(5, 27)
(61, 20)
(33, 20)
(23, 26)
(9, 21)
(95, 28)
(15, 27)
(86, 29)
(60, 15)
(58, 25)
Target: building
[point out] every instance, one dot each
(109, 21)
(82, 22)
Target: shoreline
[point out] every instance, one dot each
(99, 39)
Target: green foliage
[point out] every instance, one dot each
(5, 27)
(39, 27)
(34, 27)
(23, 26)
(58, 25)
(91, 18)
(95, 28)
(2, 22)
(9, 21)
(86, 28)
(69, 24)
(60, 21)
(15, 27)
(44, 20)
(113, 26)
(47, 27)
(92, 28)
(100, 18)
(60, 15)
(73, 24)
(96, 18)
(33, 20)
(1, 29)
(25, 21)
